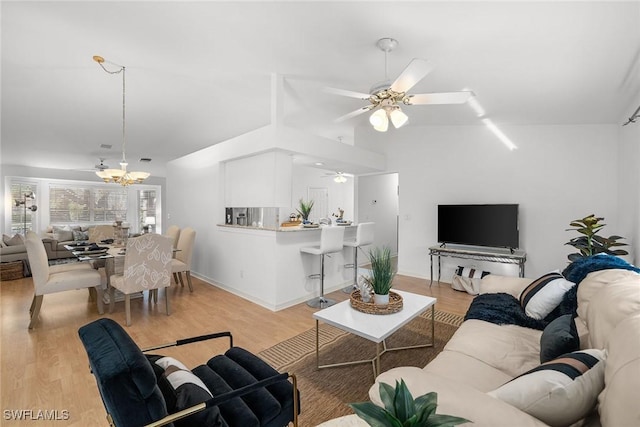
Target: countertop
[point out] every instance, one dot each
(283, 229)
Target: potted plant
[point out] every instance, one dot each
(382, 274)
(401, 410)
(590, 243)
(305, 210)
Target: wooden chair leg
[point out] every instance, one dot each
(112, 298)
(127, 309)
(188, 273)
(37, 303)
(175, 278)
(33, 303)
(153, 295)
(99, 293)
(180, 276)
(166, 297)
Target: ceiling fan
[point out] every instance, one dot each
(97, 167)
(385, 97)
(338, 177)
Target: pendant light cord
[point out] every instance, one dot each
(123, 71)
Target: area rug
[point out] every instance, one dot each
(326, 393)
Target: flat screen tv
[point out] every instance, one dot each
(479, 225)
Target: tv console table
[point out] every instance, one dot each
(503, 256)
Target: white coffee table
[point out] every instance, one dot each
(374, 327)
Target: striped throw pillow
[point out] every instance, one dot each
(544, 294)
(471, 272)
(559, 392)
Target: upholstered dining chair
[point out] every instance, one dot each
(59, 278)
(173, 232)
(147, 267)
(99, 233)
(182, 261)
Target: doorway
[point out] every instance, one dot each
(378, 202)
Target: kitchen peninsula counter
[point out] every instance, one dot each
(265, 265)
(285, 229)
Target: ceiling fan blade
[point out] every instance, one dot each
(412, 74)
(354, 113)
(348, 93)
(439, 98)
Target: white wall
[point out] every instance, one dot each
(557, 174)
(378, 202)
(629, 183)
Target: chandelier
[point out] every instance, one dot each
(120, 176)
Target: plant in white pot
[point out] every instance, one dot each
(382, 274)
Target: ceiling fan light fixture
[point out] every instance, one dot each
(378, 118)
(340, 179)
(398, 118)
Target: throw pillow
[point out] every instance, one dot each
(16, 240)
(80, 236)
(559, 337)
(559, 392)
(182, 390)
(544, 294)
(62, 234)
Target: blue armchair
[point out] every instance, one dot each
(233, 389)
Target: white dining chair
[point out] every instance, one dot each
(173, 232)
(182, 261)
(147, 267)
(59, 278)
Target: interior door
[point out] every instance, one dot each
(320, 197)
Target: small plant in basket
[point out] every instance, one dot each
(402, 410)
(382, 274)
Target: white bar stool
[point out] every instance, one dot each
(330, 242)
(364, 236)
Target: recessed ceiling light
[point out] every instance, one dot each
(319, 164)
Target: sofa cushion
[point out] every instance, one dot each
(494, 283)
(618, 402)
(559, 392)
(182, 390)
(80, 236)
(16, 240)
(508, 348)
(559, 337)
(612, 304)
(468, 370)
(544, 294)
(455, 398)
(595, 281)
(62, 234)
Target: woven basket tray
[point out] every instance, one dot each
(11, 270)
(395, 304)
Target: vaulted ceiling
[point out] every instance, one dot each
(199, 73)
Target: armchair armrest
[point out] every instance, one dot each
(192, 340)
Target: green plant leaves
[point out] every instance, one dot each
(401, 410)
(382, 273)
(591, 243)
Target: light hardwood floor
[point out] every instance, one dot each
(46, 368)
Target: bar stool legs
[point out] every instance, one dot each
(321, 301)
(354, 285)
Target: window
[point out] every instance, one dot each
(147, 209)
(22, 214)
(73, 204)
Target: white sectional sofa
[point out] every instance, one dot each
(482, 357)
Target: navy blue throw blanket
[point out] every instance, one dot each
(505, 309)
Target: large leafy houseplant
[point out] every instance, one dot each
(381, 270)
(402, 410)
(305, 209)
(591, 243)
